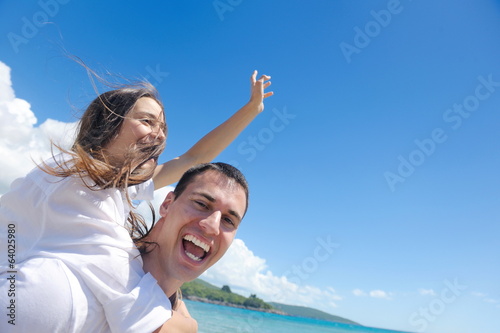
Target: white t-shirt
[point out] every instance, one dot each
(76, 268)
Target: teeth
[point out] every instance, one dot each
(197, 242)
(192, 256)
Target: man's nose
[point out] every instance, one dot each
(211, 223)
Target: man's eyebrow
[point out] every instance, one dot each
(212, 199)
(232, 212)
(206, 195)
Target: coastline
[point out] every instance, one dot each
(206, 300)
(202, 291)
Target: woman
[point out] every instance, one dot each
(75, 267)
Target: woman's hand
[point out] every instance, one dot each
(257, 90)
(182, 309)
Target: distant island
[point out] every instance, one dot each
(202, 291)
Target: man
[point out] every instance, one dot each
(198, 223)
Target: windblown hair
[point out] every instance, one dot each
(99, 125)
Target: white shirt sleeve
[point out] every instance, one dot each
(142, 302)
(84, 229)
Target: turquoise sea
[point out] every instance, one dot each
(223, 319)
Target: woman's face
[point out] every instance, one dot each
(145, 124)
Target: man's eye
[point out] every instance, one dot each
(229, 221)
(201, 204)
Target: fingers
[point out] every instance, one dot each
(253, 78)
(268, 94)
(262, 78)
(261, 84)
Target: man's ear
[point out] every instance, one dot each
(166, 203)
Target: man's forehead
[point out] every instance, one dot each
(214, 181)
(216, 185)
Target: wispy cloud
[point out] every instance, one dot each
(486, 298)
(379, 294)
(21, 142)
(358, 292)
(426, 292)
(491, 300)
(374, 293)
(477, 294)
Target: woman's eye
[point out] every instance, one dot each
(147, 121)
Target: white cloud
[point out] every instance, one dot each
(373, 293)
(426, 292)
(248, 274)
(358, 292)
(21, 142)
(485, 298)
(478, 294)
(379, 294)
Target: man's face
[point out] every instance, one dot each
(199, 225)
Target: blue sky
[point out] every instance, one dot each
(374, 169)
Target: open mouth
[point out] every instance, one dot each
(153, 151)
(195, 248)
(152, 158)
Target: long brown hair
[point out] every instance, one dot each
(101, 123)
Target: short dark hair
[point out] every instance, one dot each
(223, 168)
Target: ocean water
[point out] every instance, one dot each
(223, 319)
